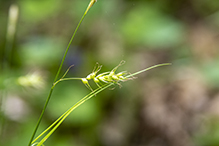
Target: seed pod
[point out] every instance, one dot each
(85, 81)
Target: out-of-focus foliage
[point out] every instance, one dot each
(146, 25)
(167, 106)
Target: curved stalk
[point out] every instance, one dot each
(149, 68)
(59, 121)
(58, 72)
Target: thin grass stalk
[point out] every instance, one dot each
(58, 122)
(61, 117)
(66, 114)
(58, 72)
(149, 68)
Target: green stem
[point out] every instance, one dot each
(58, 122)
(41, 116)
(64, 79)
(57, 75)
(49, 127)
(61, 117)
(158, 65)
(65, 115)
(66, 51)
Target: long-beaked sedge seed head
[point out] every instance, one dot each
(103, 79)
(115, 77)
(107, 77)
(90, 76)
(84, 80)
(96, 80)
(114, 69)
(102, 74)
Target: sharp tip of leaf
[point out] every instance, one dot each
(165, 64)
(168, 63)
(92, 2)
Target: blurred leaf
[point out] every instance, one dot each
(34, 10)
(145, 25)
(24, 131)
(211, 135)
(214, 19)
(207, 6)
(210, 71)
(66, 95)
(40, 51)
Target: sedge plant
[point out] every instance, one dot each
(103, 81)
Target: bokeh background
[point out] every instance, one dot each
(175, 105)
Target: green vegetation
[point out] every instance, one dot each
(168, 106)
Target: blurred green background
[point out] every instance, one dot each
(174, 105)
